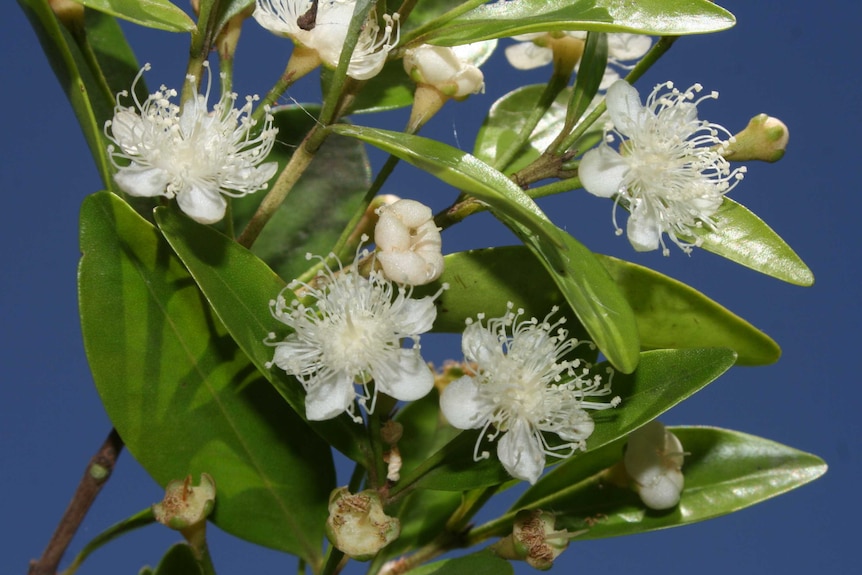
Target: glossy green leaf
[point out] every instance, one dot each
(663, 379)
(321, 203)
(744, 238)
(182, 395)
(725, 471)
(672, 315)
(480, 563)
(586, 285)
(180, 559)
(159, 14)
(485, 280)
(239, 287)
(424, 12)
(90, 98)
(653, 17)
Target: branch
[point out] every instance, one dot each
(96, 475)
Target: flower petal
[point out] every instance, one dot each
(329, 398)
(644, 232)
(520, 452)
(462, 405)
(203, 205)
(602, 171)
(481, 346)
(526, 55)
(411, 380)
(143, 181)
(624, 107)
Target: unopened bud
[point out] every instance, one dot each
(765, 138)
(408, 243)
(357, 525)
(534, 540)
(653, 459)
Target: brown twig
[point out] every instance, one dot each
(98, 471)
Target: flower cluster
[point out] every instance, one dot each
(669, 171)
(523, 387)
(322, 26)
(187, 152)
(350, 335)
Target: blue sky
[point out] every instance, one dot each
(789, 59)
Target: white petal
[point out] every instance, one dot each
(277, 16)
(520, 452)
(410, 381)
(526, 55)
(202, 204)
(410, 267)
(663, 493)
(329, 398)
(579, 426)
(415, 316)
(462, 405)
(480, 345)
(643, 232)
(602, 171)
(137, 180)
(624, 107)
(628, 46)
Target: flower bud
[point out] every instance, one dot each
(408, 243)
(357, 525)
(533, 540)
(765, 138)
(653, 459)
(186, 506)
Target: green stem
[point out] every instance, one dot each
(136, 521)
(556, 84)
(297, 165)
(202, 40)
(333, 562)
(405, 485)
(556, 188)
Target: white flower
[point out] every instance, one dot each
(352, 334)
(445, 69)
(326, 32)
(669, 173)
(189, 153)
(536, 50)
(522, 388)
(408, 243)
(654, 458)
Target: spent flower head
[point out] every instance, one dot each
(187, 151)
(669, 171)
(322, 28)
(524, 386)
(351, 335)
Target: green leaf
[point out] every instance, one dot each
(321, 203)
(672, 315)
(89, 95)
(424, 12)
(182, 395)
(744, 238)
(180, 559)
(652, 17)
(586, 285)
(239, 287)
(482, 562)
(485, 280)
(159, 14)
(663, 379)
(724, 470)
